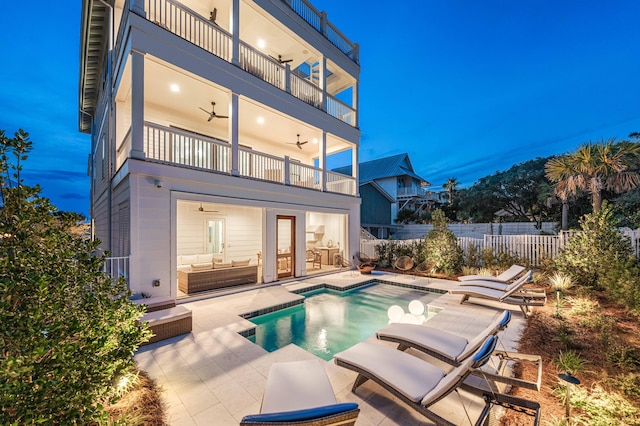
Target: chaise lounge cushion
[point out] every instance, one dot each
(240, 262)
(410, 375)
(300, 415)
(166, 315)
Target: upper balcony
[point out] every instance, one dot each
(264, 47)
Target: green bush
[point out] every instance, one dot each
(441, 247)
(595, 252)
(66, 330)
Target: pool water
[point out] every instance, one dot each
(331, 321)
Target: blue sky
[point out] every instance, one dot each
(467, 88)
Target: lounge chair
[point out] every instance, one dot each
(498, 285)
(419, 383)
(454, 349)
(299, 393)
(512, 295)
(504, 277)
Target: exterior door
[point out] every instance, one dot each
(285, 236)
(215, 238)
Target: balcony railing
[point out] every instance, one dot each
(411, 192)
(318, 20)
(189, 25)
(178, 147)
(122, 151)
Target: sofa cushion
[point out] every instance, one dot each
(240, 262)
(188, 259)
(220, 265)
(201, 266)
(205, 258)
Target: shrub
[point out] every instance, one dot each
(441, 246)
(596, 251)
(67, 330)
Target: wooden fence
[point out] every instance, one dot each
(533, 248)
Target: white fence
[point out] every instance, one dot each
(117, 267)
(534, 248)
(479, 230)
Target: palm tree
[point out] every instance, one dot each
(451, 185)
(594, 167)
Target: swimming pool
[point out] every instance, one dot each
(330, 321)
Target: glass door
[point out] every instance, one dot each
(215, 238)
(285, 235)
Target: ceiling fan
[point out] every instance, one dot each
(213, 114)
(298, 143)
(202, 210)
(283, 61)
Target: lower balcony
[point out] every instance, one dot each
(186, 149)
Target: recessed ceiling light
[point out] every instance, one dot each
(314, 140)
(260, 120)
(175, 88)
(261, 43)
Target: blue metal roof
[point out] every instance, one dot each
(381, 168)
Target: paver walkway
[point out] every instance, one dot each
(214, 376)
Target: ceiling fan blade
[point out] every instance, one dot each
(220, 116)
(210, 117)
(204, 110)
(302, 143)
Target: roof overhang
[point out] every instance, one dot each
(94, 33)
(378, 188)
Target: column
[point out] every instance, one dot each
(235, 32)
(323, 160)
(323, 82)
(355, 168)
(137, 105)
(233, 134)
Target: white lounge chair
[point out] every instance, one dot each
(504, 277)
(498, 285)
(454, 349)
(299, 393)
(512, 295)
(419, 383)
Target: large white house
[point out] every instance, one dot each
(211, 125)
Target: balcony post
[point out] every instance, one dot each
(355, 169)
(323, 82)
(323, 160)
(287, 170)
(323, 23)
(233, 134)
(287, 78)
(137, 105)
(235, 32)
(355, 99)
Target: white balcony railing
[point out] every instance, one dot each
(318, 20)
(173, 146)
(257, 165)
(122, 151)
(117, 267)
(343, 184)
(188, 149)
(262, 66)
(305, 176)
(189, 25)
(411, 192)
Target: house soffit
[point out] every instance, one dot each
(93, 44)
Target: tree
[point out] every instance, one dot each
(595, 167)
(451, 185)
(67, 330)
(522, 191)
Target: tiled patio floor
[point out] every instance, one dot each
(213, 376)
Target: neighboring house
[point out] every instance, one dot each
(211, 128)
(388, 185)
